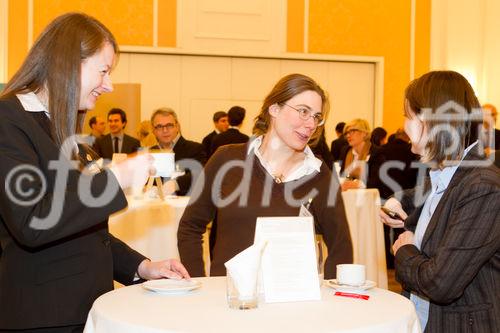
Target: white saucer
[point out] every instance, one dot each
(343, 287)
(170, 286)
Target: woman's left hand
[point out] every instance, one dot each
(171, 268)
(404, 239)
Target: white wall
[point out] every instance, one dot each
(464, 38)
(196, 86)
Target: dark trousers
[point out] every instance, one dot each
(60, 329)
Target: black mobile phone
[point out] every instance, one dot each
(392, 215)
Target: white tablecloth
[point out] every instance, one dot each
(150, 226)
(133, 309)
(367, 232)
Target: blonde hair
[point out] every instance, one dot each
(360, 125)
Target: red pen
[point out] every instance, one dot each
(339, 293)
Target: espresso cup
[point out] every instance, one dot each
(351, 274)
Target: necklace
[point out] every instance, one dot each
(278, 179)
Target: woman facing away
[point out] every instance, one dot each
(448, 259)
(272, 175)
(58, 255)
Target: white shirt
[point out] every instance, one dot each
(31, 103)
(311, 163)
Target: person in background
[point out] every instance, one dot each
(273, 163)
(339, 143)
(235, 116)
(320, 149)
(402, 172)
(447, 260)
(116, 141)
(97, 126)
(491, 135)
(221, 124)
(167, 129)
(355, 157)
(145, 134)
(58, 255)
(379, 137)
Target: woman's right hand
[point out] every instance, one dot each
(134, 171)
(395, 206)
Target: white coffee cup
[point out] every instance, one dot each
(351, 274)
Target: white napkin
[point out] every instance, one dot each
(244, 269)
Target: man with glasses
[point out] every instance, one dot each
(167, 130)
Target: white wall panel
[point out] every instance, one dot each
(239, 27)
(197, 86)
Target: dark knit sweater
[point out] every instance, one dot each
(258, 196)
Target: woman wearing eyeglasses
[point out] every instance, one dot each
(272, 175)
(356, 156)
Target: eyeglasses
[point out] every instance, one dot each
(305, 114)
(351, 131)
(160, 127)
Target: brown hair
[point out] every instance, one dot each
(461, 117)
(54, 64)
(286, 88)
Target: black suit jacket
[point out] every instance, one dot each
(51, 276)
(394, 151)
(104, 146)
(207, 142)
(337, 146)
(230, 136)
(458, 266)
(186, 150)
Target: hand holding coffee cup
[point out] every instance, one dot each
(351, 275)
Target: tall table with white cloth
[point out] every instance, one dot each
(134, 309)
(367, 232)
(150, 225)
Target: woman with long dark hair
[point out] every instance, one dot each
(58, 255)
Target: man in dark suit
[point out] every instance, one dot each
(221, 125)
(339, 143)
(167, 130)
(116, 141)
(235, 115)
(403, 173)
(491, 134)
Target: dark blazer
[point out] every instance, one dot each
(104, 146)
(497, 139)
(185, 150)
(230, 136)
(321, 151)
(394, 151)
(337, 146)
(51, 276)
(458, 267)
(372, 152)
(207, 142)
